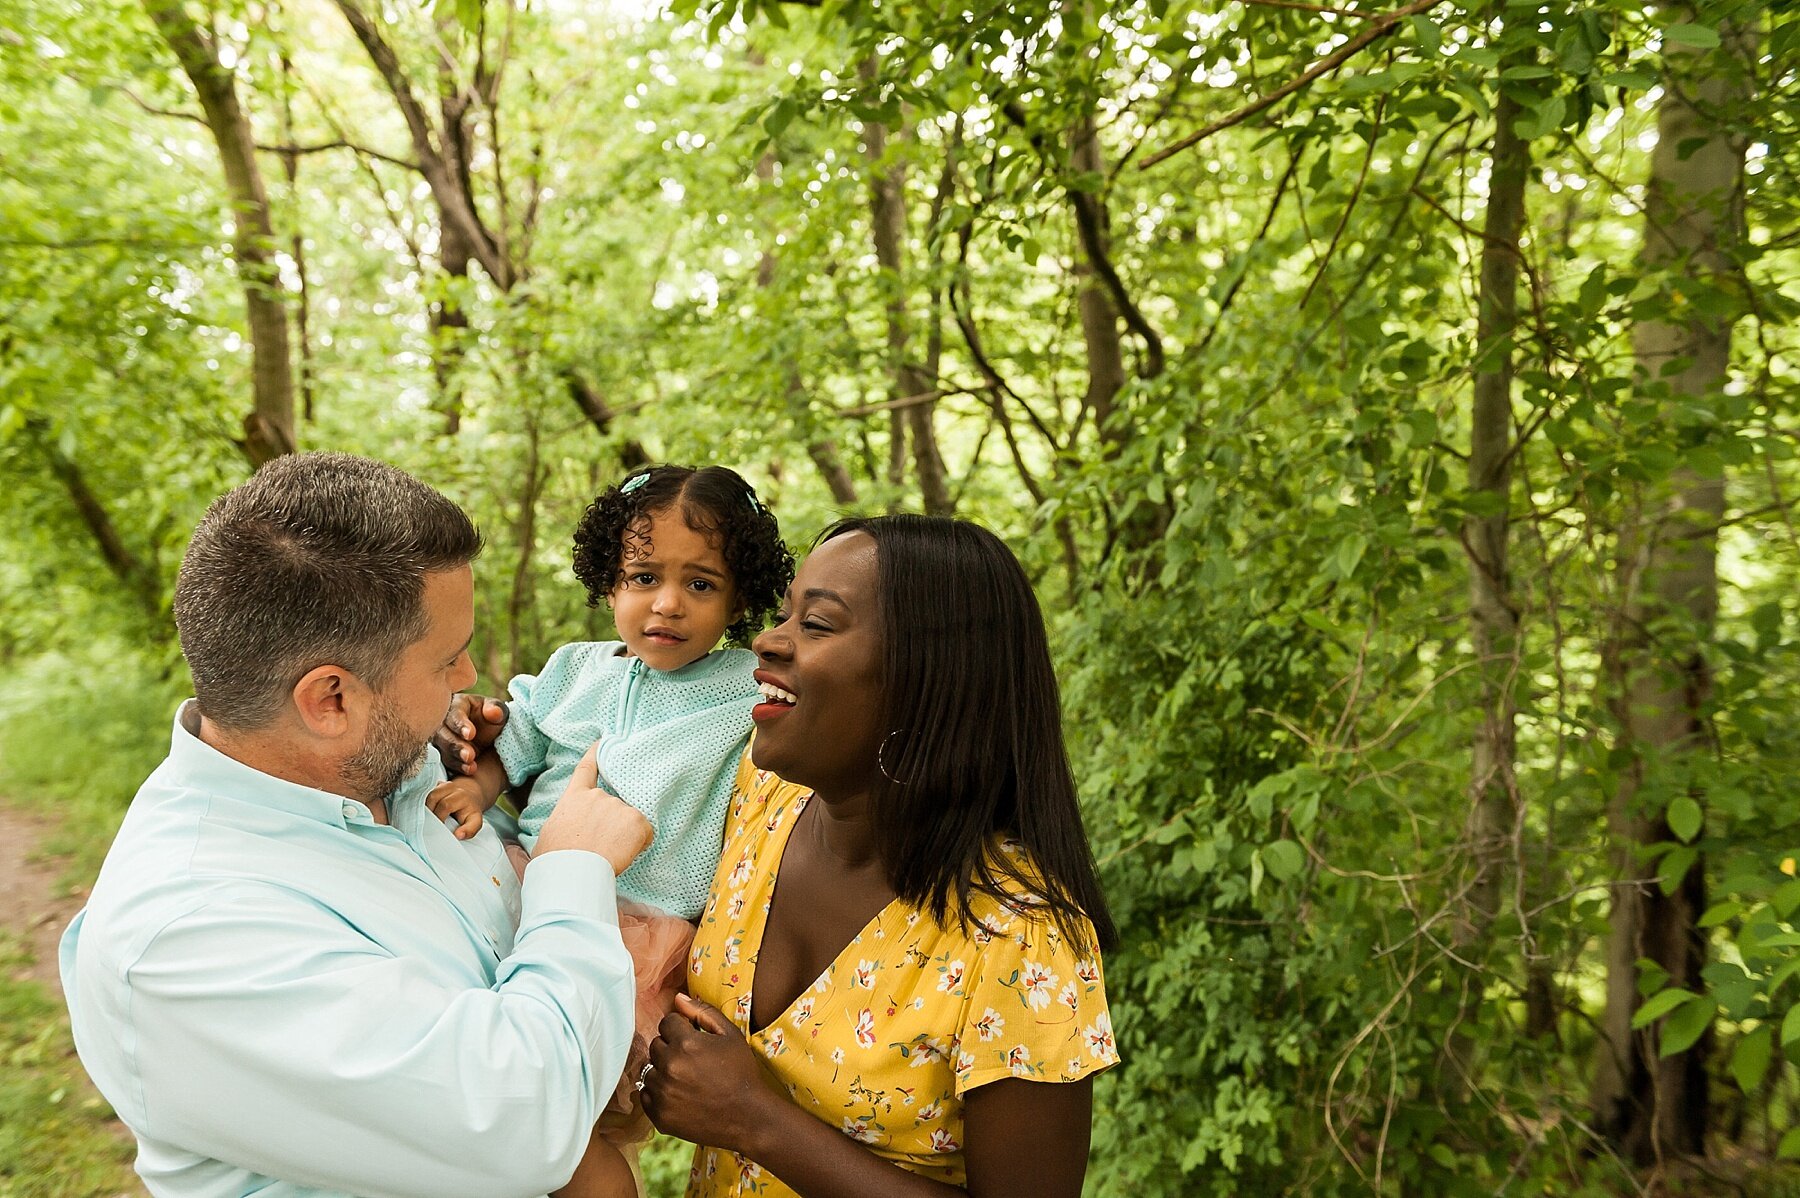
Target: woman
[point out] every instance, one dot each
(897, 979)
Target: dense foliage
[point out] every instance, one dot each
(1370, 693)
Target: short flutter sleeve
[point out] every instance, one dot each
(1036, 1008)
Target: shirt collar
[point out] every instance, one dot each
(196, 763)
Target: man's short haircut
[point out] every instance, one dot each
(318, 559)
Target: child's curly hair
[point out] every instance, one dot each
(713, 500)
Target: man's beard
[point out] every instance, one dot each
(389, 755)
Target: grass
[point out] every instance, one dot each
(56, 1140)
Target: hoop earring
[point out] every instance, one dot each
(881, 758)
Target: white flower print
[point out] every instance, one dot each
(1038, 981)
(930, 1111)
(943, 1141)
(860, 1131)
(740, 872)
(730, 955)
(802, 1012)
(1099, 1036)
(928, 1051)
(743, 1005)
(865, 975)
(865, 1028)
(777, 1043)
(1067, 997)
(1088, 971)
(951, 976)
(990, 1025)
(965, 1061)
(1018, 1059)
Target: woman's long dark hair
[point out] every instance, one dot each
(976, 749)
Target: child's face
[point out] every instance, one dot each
(674, 596)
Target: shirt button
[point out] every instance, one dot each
(349, 810)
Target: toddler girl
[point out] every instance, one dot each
(684, 557)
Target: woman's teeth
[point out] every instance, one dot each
(774, 694)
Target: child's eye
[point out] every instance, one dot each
(701, 585)
(644, 579)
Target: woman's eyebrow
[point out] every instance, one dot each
(823, 593)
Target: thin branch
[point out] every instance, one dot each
(1379, 27)
(342, 143)
(1340, 12)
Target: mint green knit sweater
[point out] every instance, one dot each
(670, 742)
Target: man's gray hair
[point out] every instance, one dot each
(318, 559)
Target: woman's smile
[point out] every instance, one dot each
(778, 697)
(819, 722)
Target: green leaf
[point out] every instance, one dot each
(1675, 867)
(1693, 35)
(1660, 1004)
(1685, 818)
(1790, 1027)
(1431, 38)
(1284, 859)
(1790, 1144)
(1349, 552)
(1719, 913)
(1687, 1025)
(1750, 1059)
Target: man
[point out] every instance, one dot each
(291, 978)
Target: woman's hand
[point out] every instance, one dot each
(705, 1084)
(470, 726)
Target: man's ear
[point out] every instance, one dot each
(325, 697)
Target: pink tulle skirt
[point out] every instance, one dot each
(658, 943)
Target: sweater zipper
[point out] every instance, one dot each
(628, 697)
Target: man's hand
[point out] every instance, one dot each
(460, 799)
(588, 818)
(470, 726)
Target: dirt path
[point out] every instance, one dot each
(34, 906)
(31, 901)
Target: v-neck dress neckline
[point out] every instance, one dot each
(778, 846)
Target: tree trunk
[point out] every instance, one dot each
(1647, 1105)
(1099, 316)
(887, 211)
(136, 576)
(449, 322)
(269, 428)
(1493, 618)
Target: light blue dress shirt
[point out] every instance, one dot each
(281, 997)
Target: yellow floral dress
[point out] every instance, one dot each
(908, 1019)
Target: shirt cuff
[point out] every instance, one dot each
(569, 881)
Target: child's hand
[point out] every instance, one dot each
(470, 725)
(459, 799)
